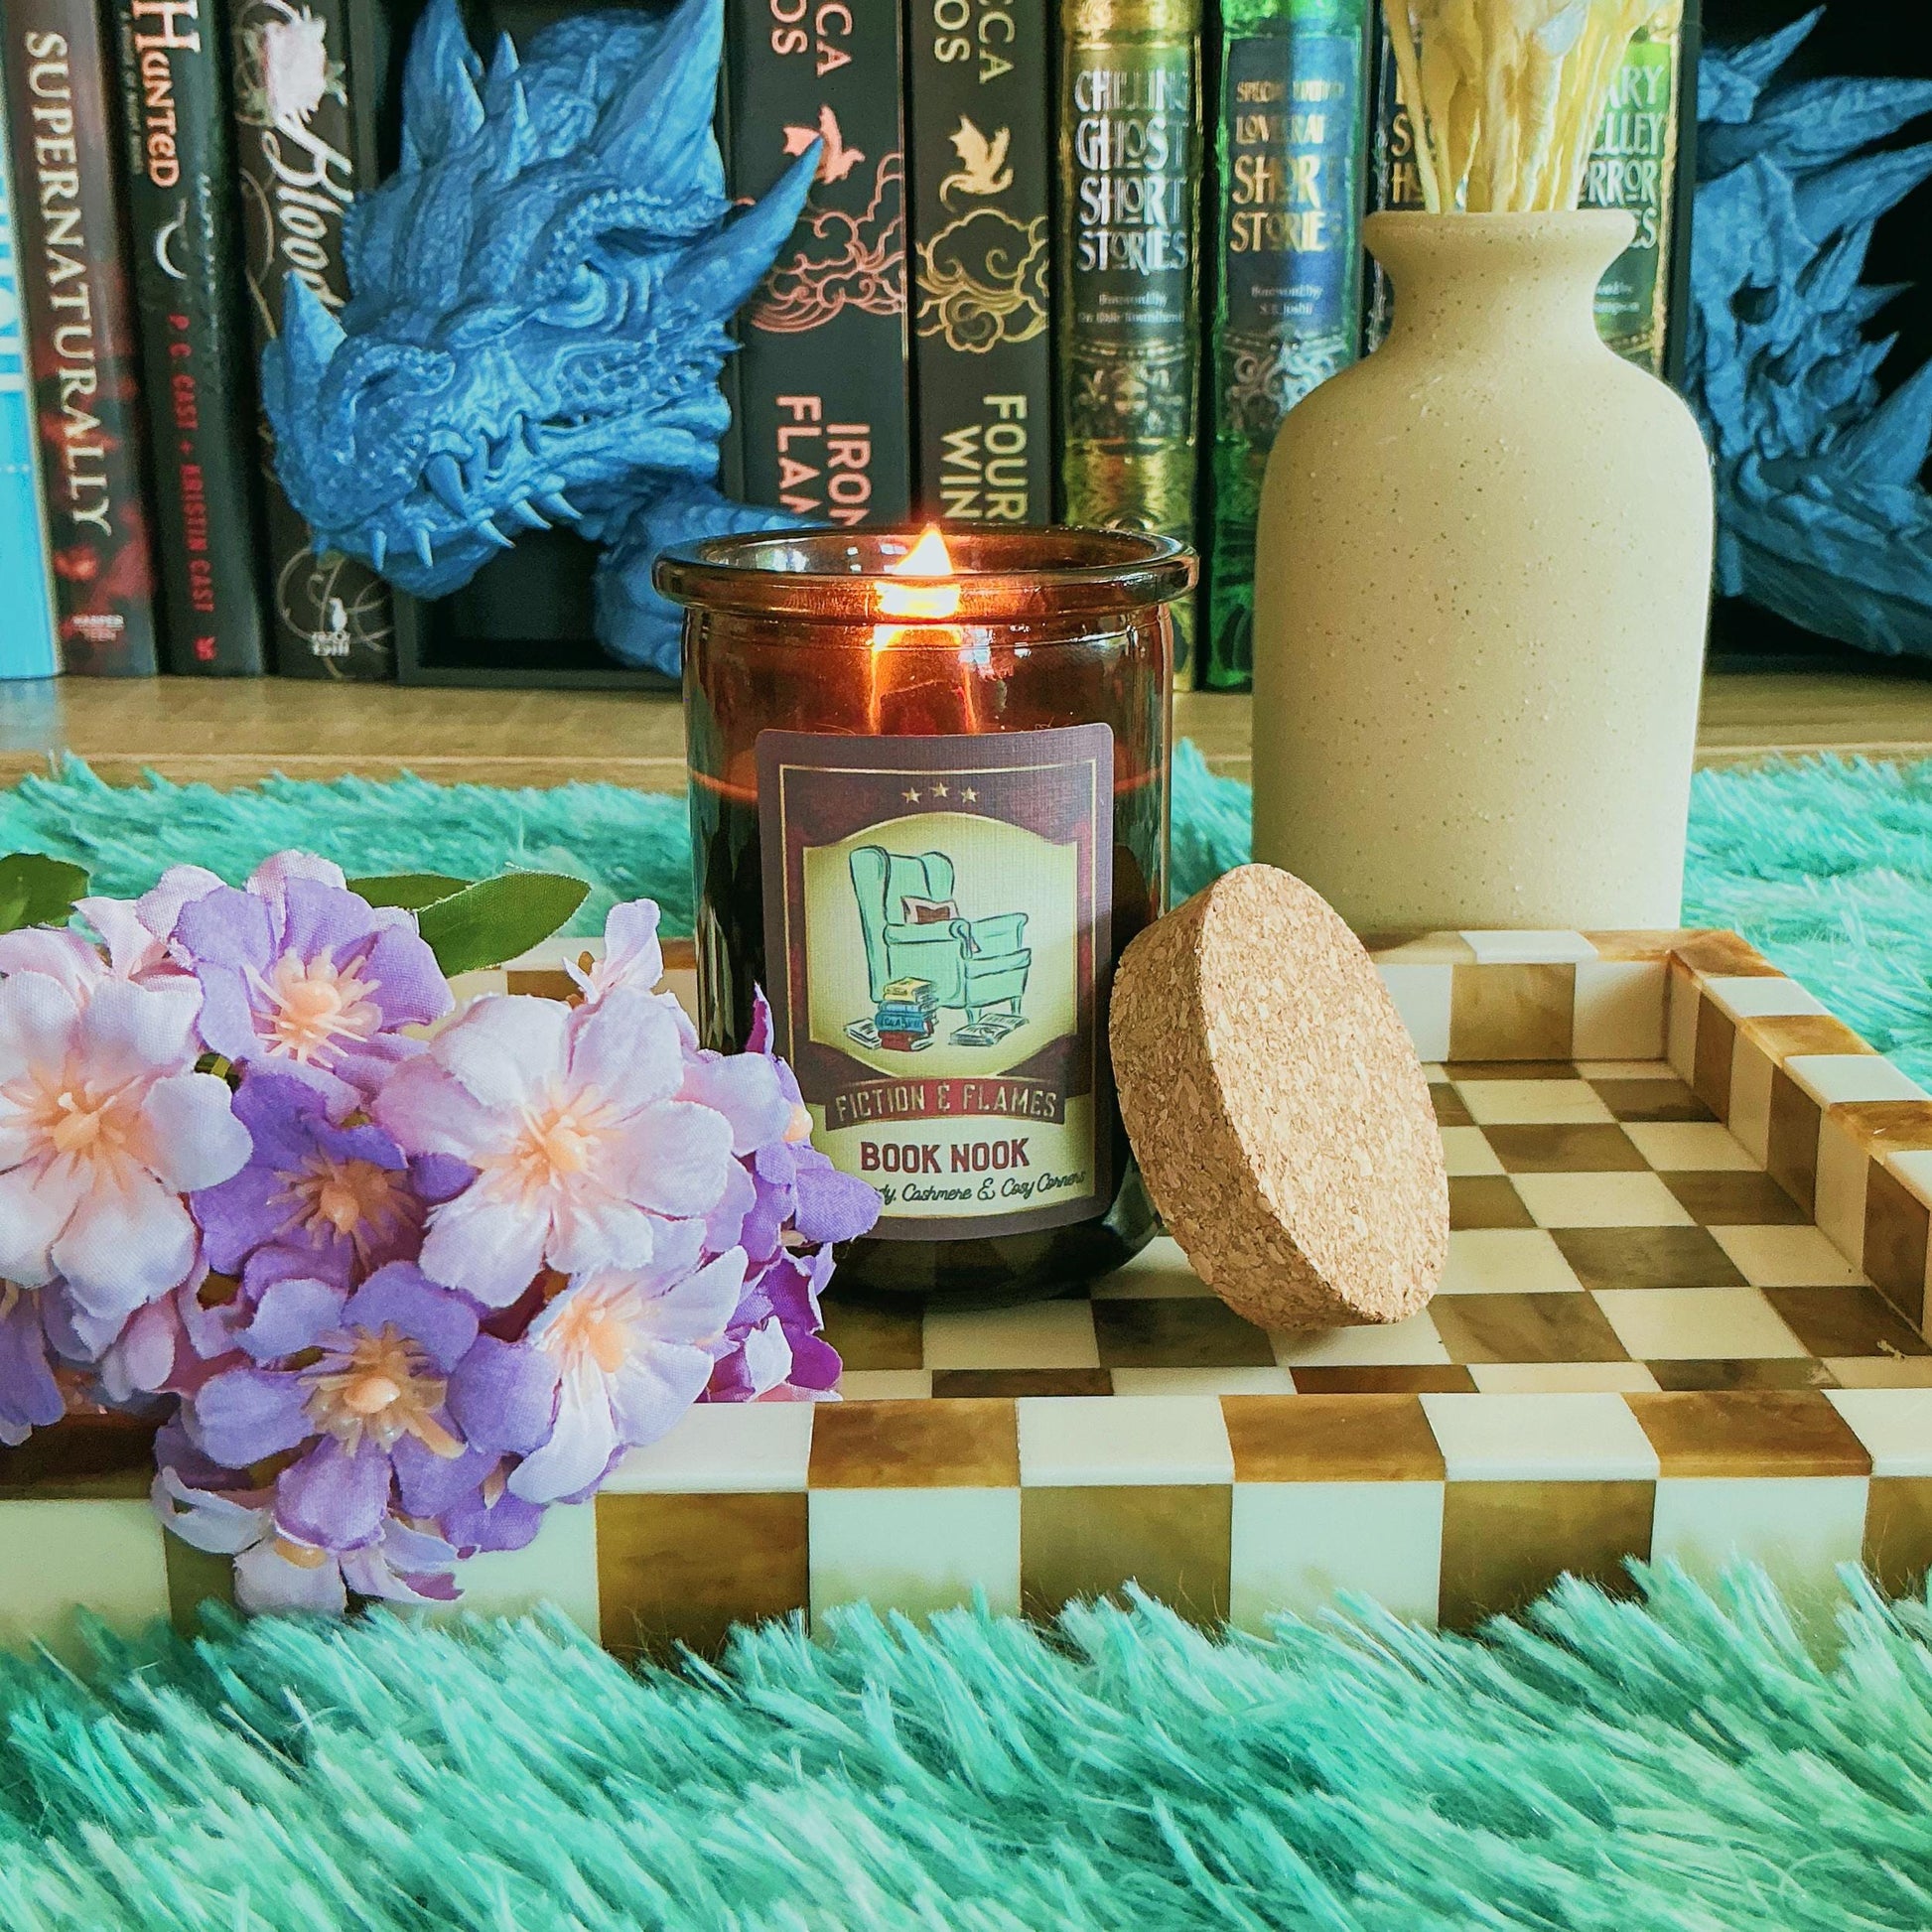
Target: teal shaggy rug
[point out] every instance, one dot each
(1675, 1765)
(1825, 865)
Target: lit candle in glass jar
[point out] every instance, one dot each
(928, 810)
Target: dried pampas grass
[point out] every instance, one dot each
(1505, 95)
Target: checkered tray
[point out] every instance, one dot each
(1683, 1317)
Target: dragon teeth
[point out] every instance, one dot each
(443, 476)
(483, 527)
(526, 517)
(557, 503)
(423, 549)
(378, 549)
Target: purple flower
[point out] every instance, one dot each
(773, 1334)
(356, 1389)
(299, 972)
(30, 1398)
(213, 1509)
(580, 1149)
(342, 1199)
(104, 1124)
(632, 1350)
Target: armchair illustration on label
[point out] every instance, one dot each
(924, 958)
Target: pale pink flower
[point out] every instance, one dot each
(137, 934)
(580, 1148)
(104, 1126)
(633, 1349)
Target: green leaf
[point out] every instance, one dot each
(485, 925)
(38, 890)
(409, 889)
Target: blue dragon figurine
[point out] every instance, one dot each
(537, 316)
(1821, 515)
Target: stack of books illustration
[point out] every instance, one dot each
(905, 1019)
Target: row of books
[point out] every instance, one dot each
(162, 164)
(993, 309)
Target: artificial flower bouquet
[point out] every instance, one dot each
(391, 1277)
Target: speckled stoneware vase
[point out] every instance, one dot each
(1482, 577)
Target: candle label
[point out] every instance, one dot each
(938, 913)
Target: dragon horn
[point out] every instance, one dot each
(517, 138)
(503, 61)
(1890, 445)
(311, 333)
(662, 118)
(1859, 191)
(716, 274)
(440, 104)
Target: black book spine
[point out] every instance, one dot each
(980, 93)
(199, 385)
(824, 408)
(85, 387)
(330, 615)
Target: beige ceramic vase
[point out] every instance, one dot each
(1483, 578)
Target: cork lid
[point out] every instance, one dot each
(1279, 1115)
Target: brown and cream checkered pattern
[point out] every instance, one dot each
(1683, 1316)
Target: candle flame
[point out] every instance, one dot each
(928, 558)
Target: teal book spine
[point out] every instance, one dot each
(1291, 140)
(30, 635)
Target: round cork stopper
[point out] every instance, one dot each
(1277, 1110)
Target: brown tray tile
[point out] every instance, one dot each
(1637, 943)
(80, 1457)
(1537, 1069)
(1504, 1544)
(1888, 1125)
(1793, 1140)
(953, 1384)
(1716, 1036)
(1651, 1100)
(1896, 1233)
(1749, 1432)
(1513, 1012)
(1845, 1322)
(1556, 1327)
(677, 1570)
(1181, 1332)
(1486, 1201)
(1174, 1539)
(1784, 1035)
(1385, 1378)
(1757, 1372)
(875, 1337)
(1330, 1439)
(1560, 1149)
(1419, 948)
(960, 1444)
(1733, 1198)
(1646, 1258)
(1715, 954)
(1898, 1533)
(1452, 1110)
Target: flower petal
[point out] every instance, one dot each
(651, 1391)
(38, 1019)
(680, 1158)
(506, 1048)
(128, 1029)
(832, 1205)
(503, 1396)
(127, 1241)
(626, 1047)
(579, 1449)
(401, 1296)
(489, 1249)
(246, 1415)
(291, 1315)
(697, 1309)
(272, 877)
(37, 1201)
(428, 1112)
(30, 1398)
(206, 1520)
(334, 1499)
(195, 1139)
(588, 1230)
(64, 957)
(266, 1580)
(744, 1088)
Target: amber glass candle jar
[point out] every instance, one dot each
(928, 810)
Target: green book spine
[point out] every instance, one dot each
(1291, 147)
(981, 194)
(1127, 272)
(1639, 162)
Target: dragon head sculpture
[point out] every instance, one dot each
(537, 318)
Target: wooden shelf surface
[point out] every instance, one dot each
(235, 733)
